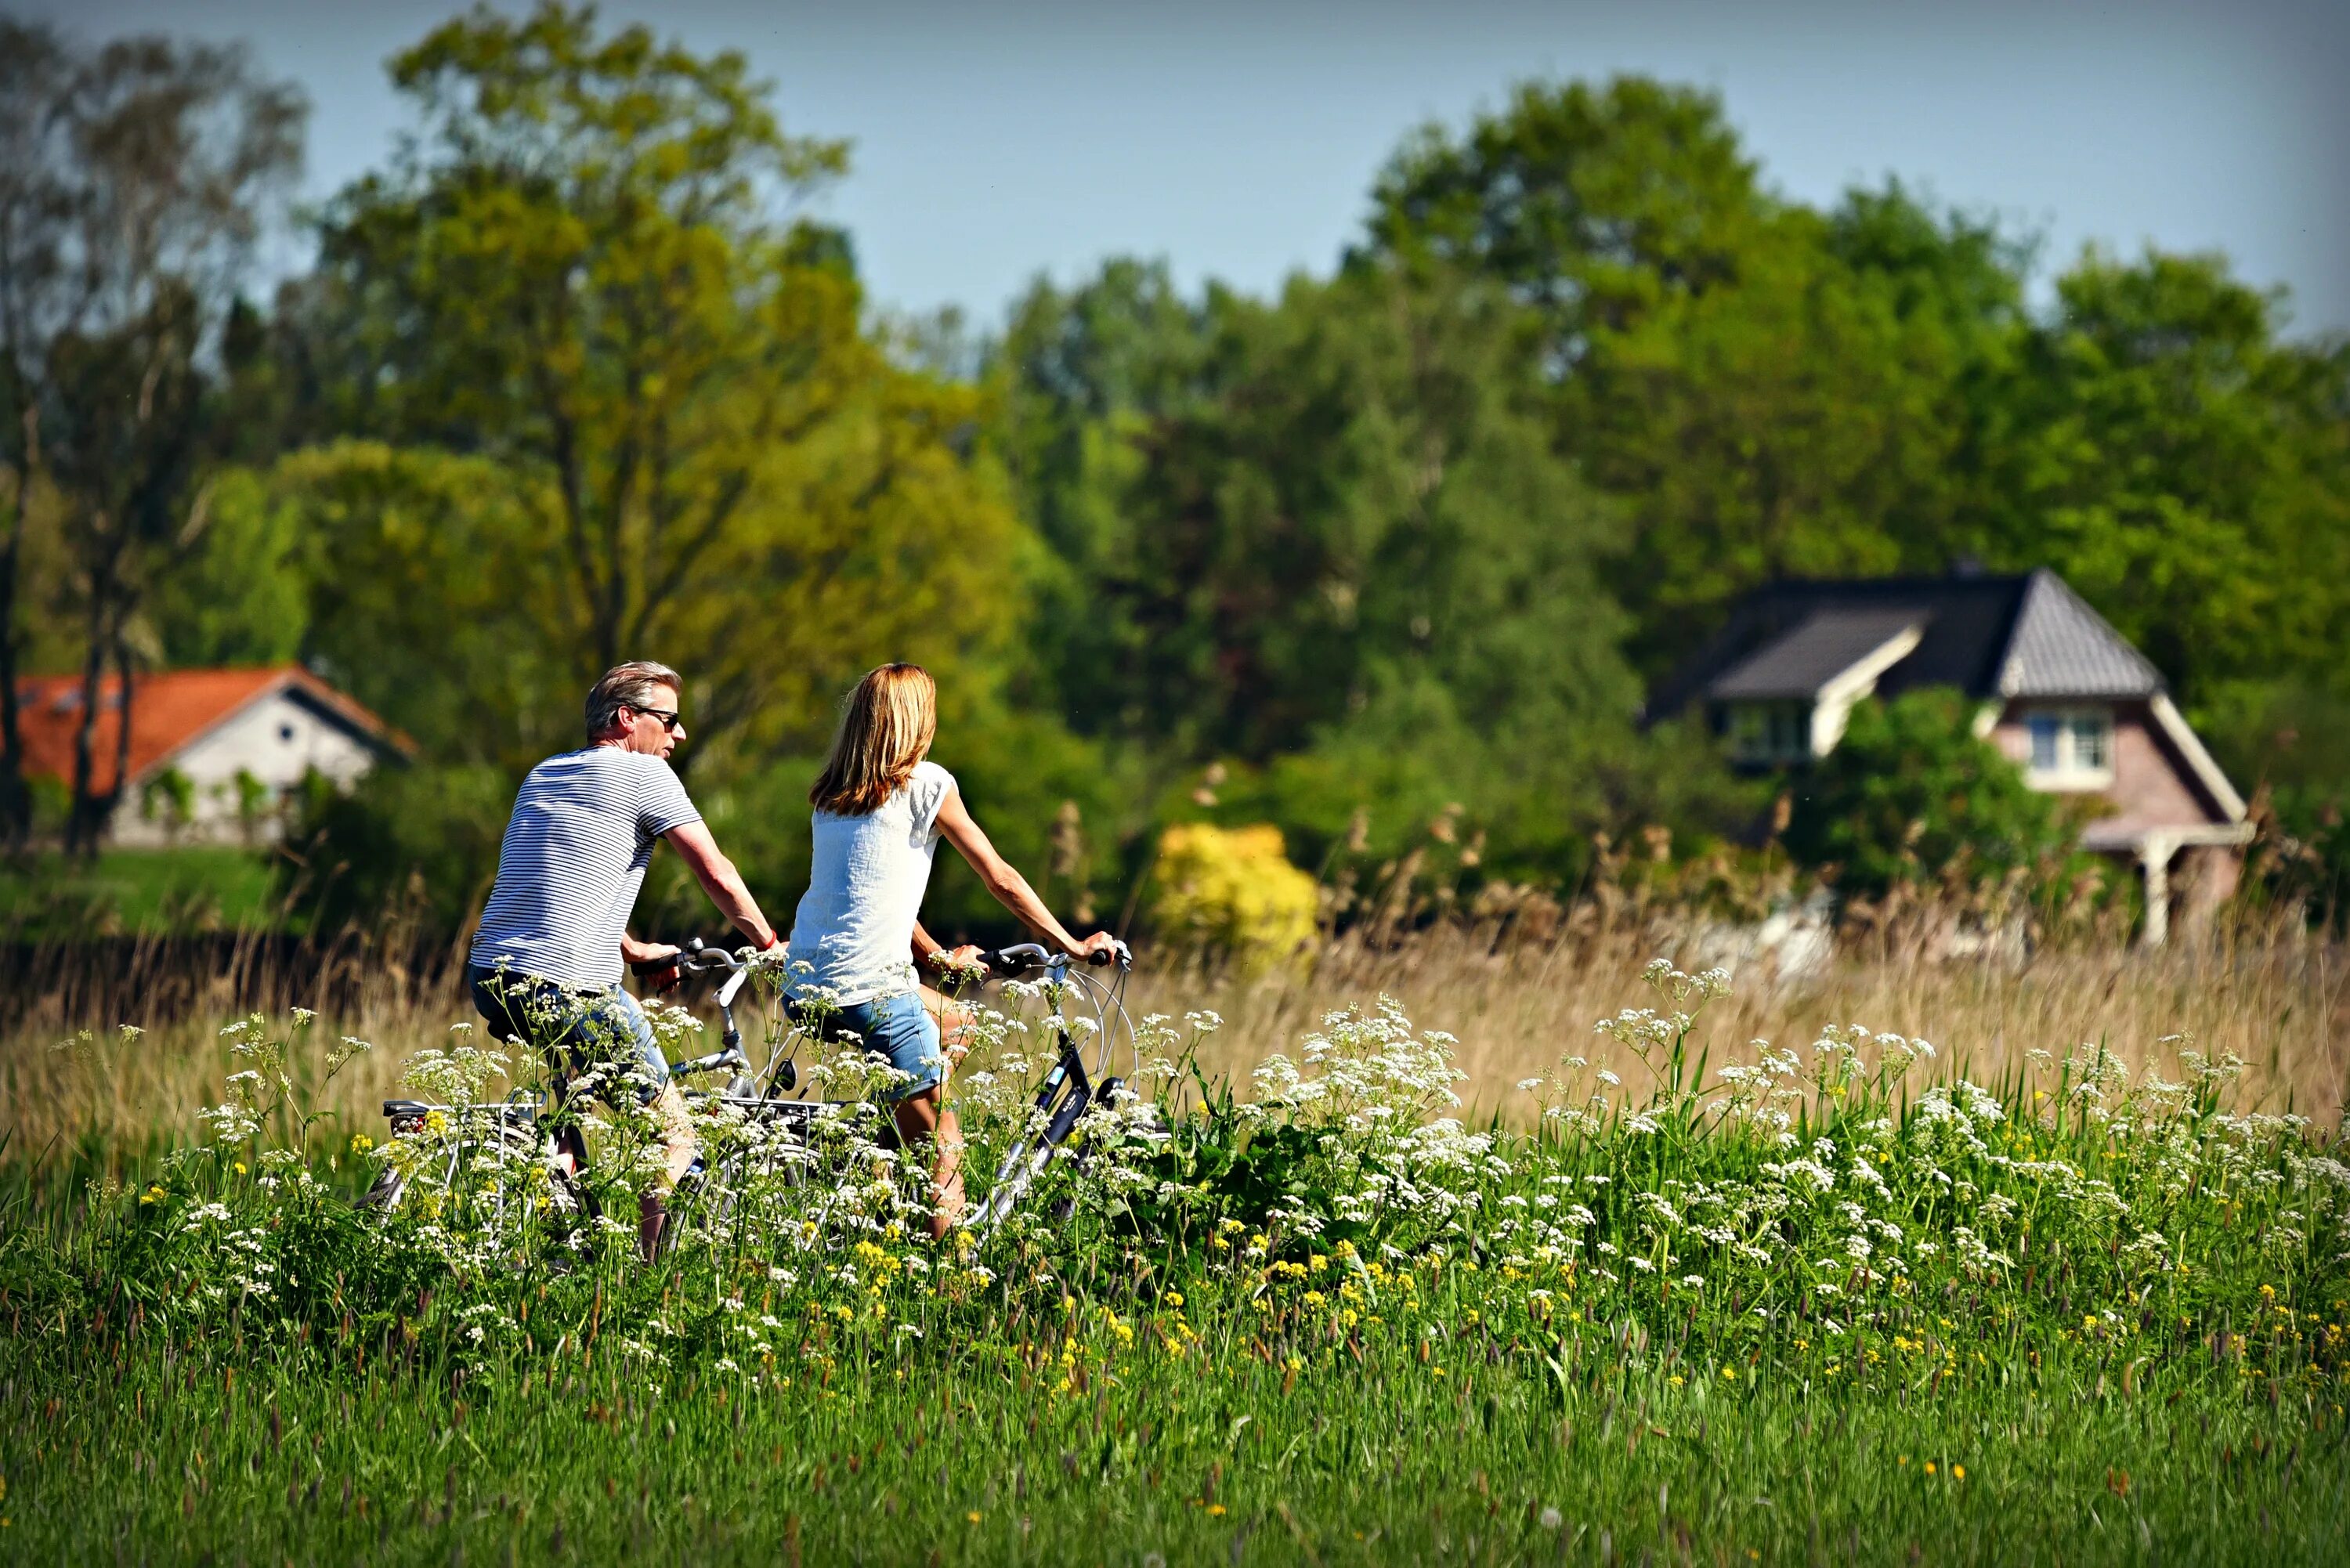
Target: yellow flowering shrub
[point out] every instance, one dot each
(1233, 891)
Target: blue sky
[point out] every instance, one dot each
(1238, 140)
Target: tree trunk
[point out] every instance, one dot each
(121, 793)
(81, 822)
(15, 802)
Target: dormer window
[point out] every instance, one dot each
(2072, 748)
(1769, 734)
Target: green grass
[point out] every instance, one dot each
(198, 1450)
(1799, 1311)
(195, 888)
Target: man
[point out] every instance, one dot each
(547, 964)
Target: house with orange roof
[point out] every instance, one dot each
(212, 752)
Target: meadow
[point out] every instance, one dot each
(2067, 1283)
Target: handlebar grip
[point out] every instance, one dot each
(689, 948)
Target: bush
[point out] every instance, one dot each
(1914, 795)
(418, 842)
(1232, 891)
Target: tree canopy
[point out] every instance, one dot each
(1384, 556)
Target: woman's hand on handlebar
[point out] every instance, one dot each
(955, 965)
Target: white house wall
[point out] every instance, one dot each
(275, 738)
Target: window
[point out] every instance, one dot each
(1769, 733)
(2071, 747)
(285, 732)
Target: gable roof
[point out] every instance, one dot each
(2062, 647)
(170, 708)
(2024, 636)
(1820, 647)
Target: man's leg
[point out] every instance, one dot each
(638, 1050)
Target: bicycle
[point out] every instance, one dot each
(1077, 1081)
(527, 1134)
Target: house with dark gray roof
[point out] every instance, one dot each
(2079, 707)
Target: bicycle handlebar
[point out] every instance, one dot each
(693, 957)
(1024, 956)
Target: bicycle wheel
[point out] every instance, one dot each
(384, 1193)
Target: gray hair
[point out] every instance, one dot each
(628, 685)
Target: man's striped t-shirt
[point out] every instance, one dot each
(575, 854)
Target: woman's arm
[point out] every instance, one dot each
(1010, 888)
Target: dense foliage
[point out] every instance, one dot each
(1912, 794)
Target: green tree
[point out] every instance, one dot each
(1596, 204)
(1325, 537)
(1767, 389)
(1911, 794)
(581, 272)
(2188, 470)
(241, 596)
(1083, 376)
(133, 179)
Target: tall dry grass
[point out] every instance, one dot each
(2283, 1005)
(2279, 1000)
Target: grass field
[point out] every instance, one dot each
(2015, 1300)
(195, 887)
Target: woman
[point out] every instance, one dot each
(880, 809)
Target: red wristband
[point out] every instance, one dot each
(774, 940)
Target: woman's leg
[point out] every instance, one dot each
(954, 1022)
(923, 1115)
(907, 1031)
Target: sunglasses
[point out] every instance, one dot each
(667, 719)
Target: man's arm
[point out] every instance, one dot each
(721, 882)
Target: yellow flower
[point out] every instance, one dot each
(1958, 1472)
(1175, 1298)
(1930, 1467)
(1729, 1375)
(240, 1171)
(1438, 1370)
(972, 1516)
(361, 1143)
(1215, 1510)
(1676, 1380)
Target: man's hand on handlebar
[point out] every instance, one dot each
(656, 962)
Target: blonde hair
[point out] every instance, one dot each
(886, 725)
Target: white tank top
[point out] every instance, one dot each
(855, 928)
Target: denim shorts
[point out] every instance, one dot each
(899, 1030)
(573, 1026)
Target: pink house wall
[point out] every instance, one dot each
(2150, 788)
